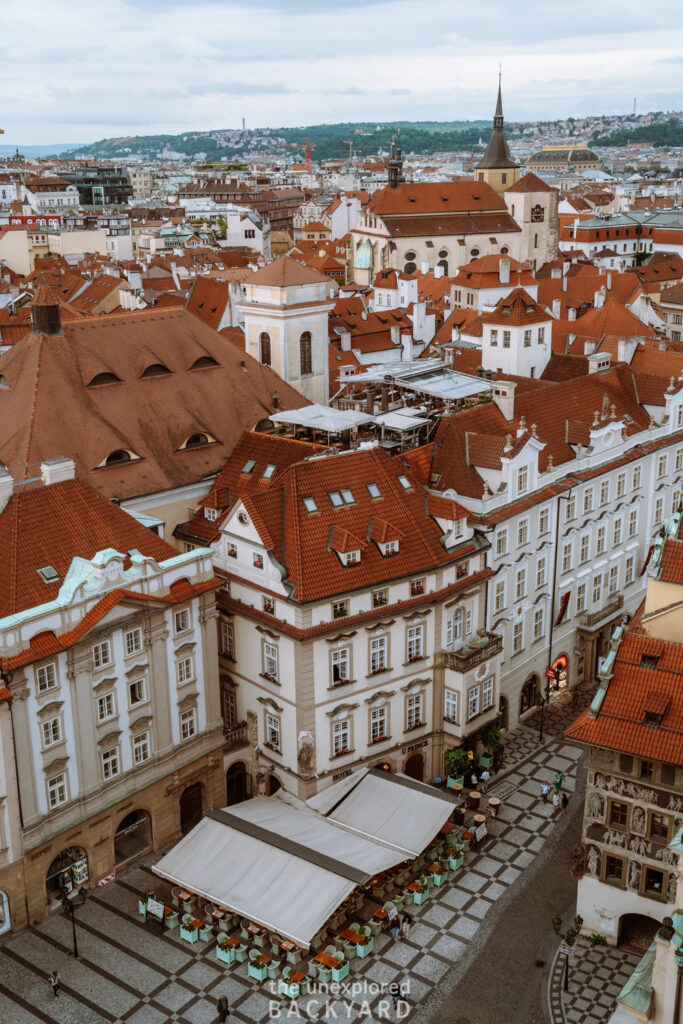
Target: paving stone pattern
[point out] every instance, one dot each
(596, 977)
(128, 973)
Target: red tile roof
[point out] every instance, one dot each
(285, 272)
(440, 197)
(530, 182)
(517, 310)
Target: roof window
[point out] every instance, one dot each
(248, 466)
(649, 660)
(118, 457)
(268, 471)
(336, 499)
(347, 496)
(405, 483)
(155, 370)
(374, 491)
(198, 440)
(104, 378)
(4, 383)
(48, 574)
(310, 505)
(203, 361)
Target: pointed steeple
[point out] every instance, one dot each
(497, 154)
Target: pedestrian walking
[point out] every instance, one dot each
(474, 781)
(545, 789)
(223, 1009)
(55, 981)
(559, 779)
(406, 922)
(484, 780)
(556, 802)
(395, 927)
(565, 802)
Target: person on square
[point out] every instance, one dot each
(56, 982)
(223, 1008)
(484, 780)
(545, 790)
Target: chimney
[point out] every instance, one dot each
(504, 397)
(56, 470)
(424, 267)
(438, 272)
(571, 313)
(557, 308)
(407, 343)
(504, 271)
(6, 488)
(609, 281)
(345, 341)
(46, 318)
(395, 334)
(455, 334)
(564, 284)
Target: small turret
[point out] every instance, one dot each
(46, 316)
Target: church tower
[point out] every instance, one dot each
(496, 167)
(395, 165)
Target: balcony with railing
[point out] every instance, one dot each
(477, 649)
(235, 735)
(591, 620)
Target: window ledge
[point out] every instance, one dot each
(380, 739)
(271, 749)
(342, 753)
(269, 679)
(342, 682)
(412, 728)
(377, 672)
(414, 661)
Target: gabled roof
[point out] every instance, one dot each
(530, 182)
(436, 198)
(517, 310)
(285, 272)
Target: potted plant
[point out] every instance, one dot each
(225, 951)
(188, 929)
(491, 741)
(457, 761)
(439, 877)
(421, 891)
(365, 947)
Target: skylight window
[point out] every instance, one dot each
(248, 466)
(48, 574)
(348, 497)
(268, 472)
(336, 499)
(310, 505)
(649, 660)
(405, 482)
(374, 491)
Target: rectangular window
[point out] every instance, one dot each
(613, 580)
(621, 485)
(270, 658)
(659, 827)
(570, 512)
(450, 709)
(52, 732)
(494, 338)
(414, 716)
(618, 815)
(566, 557)
(231, 550)
(517, 637)
(541, 571)
(633, 522)
(380, 598)
(141, 749)
(614, 870)
(522, 532)
(661, 466)
(653, 882)
(56, 791)
(647, 769)
(228, 640)
(101, 654)
(417, 587)
(527, 339)
(184, 670)
(136, 692)
(506, 339)
(46, 677)
(501, 543)
(588, 500)
(110, 763)
(415, 642)
(210, 514)
(340, 609)
(341, 738)
(520, 584)
(658, 512)
(188, 723)
(637, 476)
(132, 641)
(538, 624)
(541, 335)
(378, 724)
(581, 598)
(499, 595)
(679, 459)
(487, 694)
(181, 620)
(629, 570)
(473, 702)
(105, 707)
(616, 533)
(269, 605)
(258, 561)
(378, 654)
(522, 479)
(604, 492)
(544, 520)
(341, 666)
(600, 541)
(584, 549)
(597, 588)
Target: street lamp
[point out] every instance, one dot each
(568, 940)
(69, 903)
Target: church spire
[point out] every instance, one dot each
(497, 154)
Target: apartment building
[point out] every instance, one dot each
(109, 708)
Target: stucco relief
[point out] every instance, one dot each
(638, 820)
(596, 806)
(633, 875)
(593, 861)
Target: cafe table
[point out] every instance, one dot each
(257, 933)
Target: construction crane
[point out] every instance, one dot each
(349, 143)
(307, 149)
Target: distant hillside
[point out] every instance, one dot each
(39, 151)
(663, 134)
(331, 141)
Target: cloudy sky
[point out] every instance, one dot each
(84, 70)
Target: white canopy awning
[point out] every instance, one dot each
(322, 417)
(288, 866)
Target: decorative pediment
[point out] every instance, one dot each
(52, 708)
(384, 624)
(268, 633)
(341, 636)
(185, 648)
(417, 615)
(342, 709)
(59, 762)
(111, 737)
(414, 685)
(103, 684)
(457, 603)
(270, 703)
(379, 696)
(187, 702)
(142, 722)
(139, 669)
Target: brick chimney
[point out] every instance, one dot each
(504, 397)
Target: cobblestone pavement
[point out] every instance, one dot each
(596, 977)
(128, 973)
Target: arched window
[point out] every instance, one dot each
(118, 457)
(104, 378)
(305, 353)
(197, 440)
(5, 920)
(409, 268)
(202, 362)
(444, 265)
(264, 349)
(155, 370)
(528, 696)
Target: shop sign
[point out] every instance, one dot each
(550, 673)
(480, 832)
(155, 909)
(341, 775)
(567, 950)
(415, 746)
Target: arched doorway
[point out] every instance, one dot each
(636, 932)
(191, 806)
(383, 766)
(133, 837)
(236, 783)
(561, 667)
(528, 696)
(415, 767)
(264, 349)
(503, 712)
(68, 869)
(5, 919)
(272, 784)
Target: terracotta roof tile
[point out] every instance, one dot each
(285, 272)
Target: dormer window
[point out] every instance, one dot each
(336, 499)
(48, 574)
(202, 362)
(248, 466)
(155, 370)
(652, 720)
(198, 440)
(350, 557)
(374, 491)
(268, 472)
(405, 483)
(389, 548)
(649, 660)
(211, 514)
(119, 457)
(309, 504)
(104, 378)
(347, 497)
